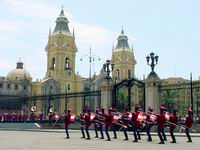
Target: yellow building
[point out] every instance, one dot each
(176, 92)
(124, 59)
(60, 75)
(124, 68)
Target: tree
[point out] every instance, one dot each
(168, 98)
(121, 101)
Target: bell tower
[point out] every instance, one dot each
(61, 55)
(123, 58)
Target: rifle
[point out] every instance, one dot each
(182, 127)
(57, 120)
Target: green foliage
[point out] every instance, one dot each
(168, 99)
(121, 101)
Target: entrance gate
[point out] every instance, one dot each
(138, 92)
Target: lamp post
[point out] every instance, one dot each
(197, 95)
(91, 58)
(191, 91)
(154, 61)
(108, 67)
(66, 101)
(197, 105)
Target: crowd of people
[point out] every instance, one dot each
(27, 116)
(137, 121)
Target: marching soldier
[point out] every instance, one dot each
(113, 124)
(125, 119)
(88, 123)
(96, 122)
(82, 122)
(160, 125)
(188, 124)
(149, 124)
(67, 121)
(102, 120)
(108, 123)
(135, 123)
(173, 119)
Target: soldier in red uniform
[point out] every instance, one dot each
(108, 123)
(135, 123)
(113, 124)
(88, 123)
(102, 116)
(82, 122)
(149, 124)
(161, 124)
(188, 124)
(96, 122)
(173, 119)
(67, 121)
(125, 119)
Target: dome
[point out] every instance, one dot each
(19, 73)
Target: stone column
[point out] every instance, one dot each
(152, 94)
(106, 92)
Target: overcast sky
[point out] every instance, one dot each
(170, 28)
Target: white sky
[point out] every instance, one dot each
(169, 28)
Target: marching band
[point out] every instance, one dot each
(137, 120)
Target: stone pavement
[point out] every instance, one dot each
(55, 140)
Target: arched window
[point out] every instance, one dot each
(53, 63)
(117, 74)
(68, 87)
(67, 63)
(129, 73)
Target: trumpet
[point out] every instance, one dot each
(51, 109)
(33, 108)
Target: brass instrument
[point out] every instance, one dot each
(51, 109)
(33, 108)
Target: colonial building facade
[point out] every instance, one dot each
(61, 77)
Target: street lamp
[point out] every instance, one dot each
(108, 67)
(197, 102)
(91, 58)
(154, 61)
(66, 101)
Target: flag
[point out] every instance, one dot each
(72, 118)
(141, 117)
(167, 115)
(153, 118)
(116, 117)
(130, 116)
(92, 116)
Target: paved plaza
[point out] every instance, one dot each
(55, 140)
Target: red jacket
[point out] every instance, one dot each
(126, 119)
(188, 121)
(67, 119)
(102, 118)
(173, 119)
(136, 123)
(82, 119)
(108, 119)
(87, 119)
(161, 121)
